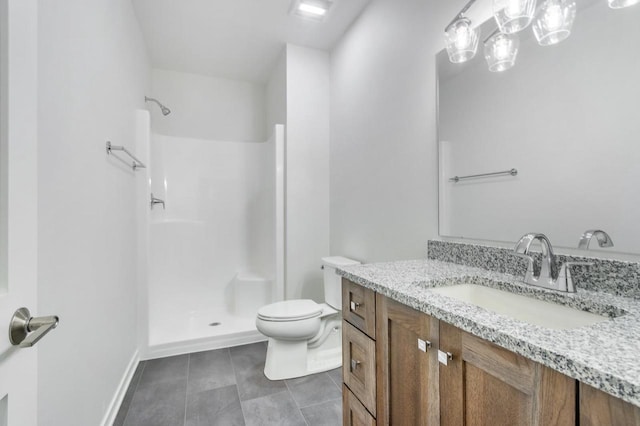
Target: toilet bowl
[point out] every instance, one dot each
(305, 337)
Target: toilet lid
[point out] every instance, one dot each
(290, 310)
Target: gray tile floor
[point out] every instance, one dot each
(227, 387)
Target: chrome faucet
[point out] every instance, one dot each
(604, 240)
(549, 276)
(548, 270)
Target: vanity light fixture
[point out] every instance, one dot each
(501, 50)
(513, 15)
(553, 21)
(315, 10)
(619, 4)
(461, 38)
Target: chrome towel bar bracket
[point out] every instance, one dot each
(136, 164)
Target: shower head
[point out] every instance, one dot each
(164, 109)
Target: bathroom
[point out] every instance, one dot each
(364, 175)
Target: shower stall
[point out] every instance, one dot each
(212, 238)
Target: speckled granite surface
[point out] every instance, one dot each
(605, 355)
(618, 277)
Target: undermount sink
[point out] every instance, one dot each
(527, 309)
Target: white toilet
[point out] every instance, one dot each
(305, 337)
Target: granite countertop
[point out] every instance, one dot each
(605, 355)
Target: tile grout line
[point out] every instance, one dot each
(144, 365)
(286, 384)
(320, 403)
(233, 367)
(186, 390)
(339, 385)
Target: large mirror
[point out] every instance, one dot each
(566, 117)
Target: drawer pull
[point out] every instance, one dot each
(424, 345)
(444, 357)
(355, 364)
(355, 305)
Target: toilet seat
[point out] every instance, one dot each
(290, 310)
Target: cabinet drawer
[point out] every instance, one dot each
(359, 365)
(359, 307)
(353, 412)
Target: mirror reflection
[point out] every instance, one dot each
(565, 116)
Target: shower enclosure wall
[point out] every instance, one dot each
(215, 248)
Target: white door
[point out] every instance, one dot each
(18, 204)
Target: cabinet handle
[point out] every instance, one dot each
(354, 305)
(444, 357)
(424, 345)
(354, 364)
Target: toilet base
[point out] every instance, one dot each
(289, 359)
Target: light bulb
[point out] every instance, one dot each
(514, 8)
(552, 18)
(462, 37)
(501, 48)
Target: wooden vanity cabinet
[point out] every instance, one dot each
(407, 369)
(598, 408)
(403, 367)
(484, 384)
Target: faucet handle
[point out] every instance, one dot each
(528, 277)
(565, 279)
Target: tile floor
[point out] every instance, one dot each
(227, 387)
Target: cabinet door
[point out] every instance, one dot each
(483, 384)
(407, 374)
(353, 412)
(600, 409)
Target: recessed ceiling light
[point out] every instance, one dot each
(309, 8)
(315, 10)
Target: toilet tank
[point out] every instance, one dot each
(333, 281)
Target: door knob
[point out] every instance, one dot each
(25, 330)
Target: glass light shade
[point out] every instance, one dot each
(513, 15)
(461, 40)
(554, 21)
(501, 51)
(619, 4)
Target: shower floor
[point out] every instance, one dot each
(183, 330)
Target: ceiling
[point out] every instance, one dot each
(236, 39)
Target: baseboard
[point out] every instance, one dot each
(204, 344)
(117, 399)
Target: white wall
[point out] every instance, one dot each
(383, 131)
(276, 93)
(205, 107)
(307, 170)
(93, 72)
